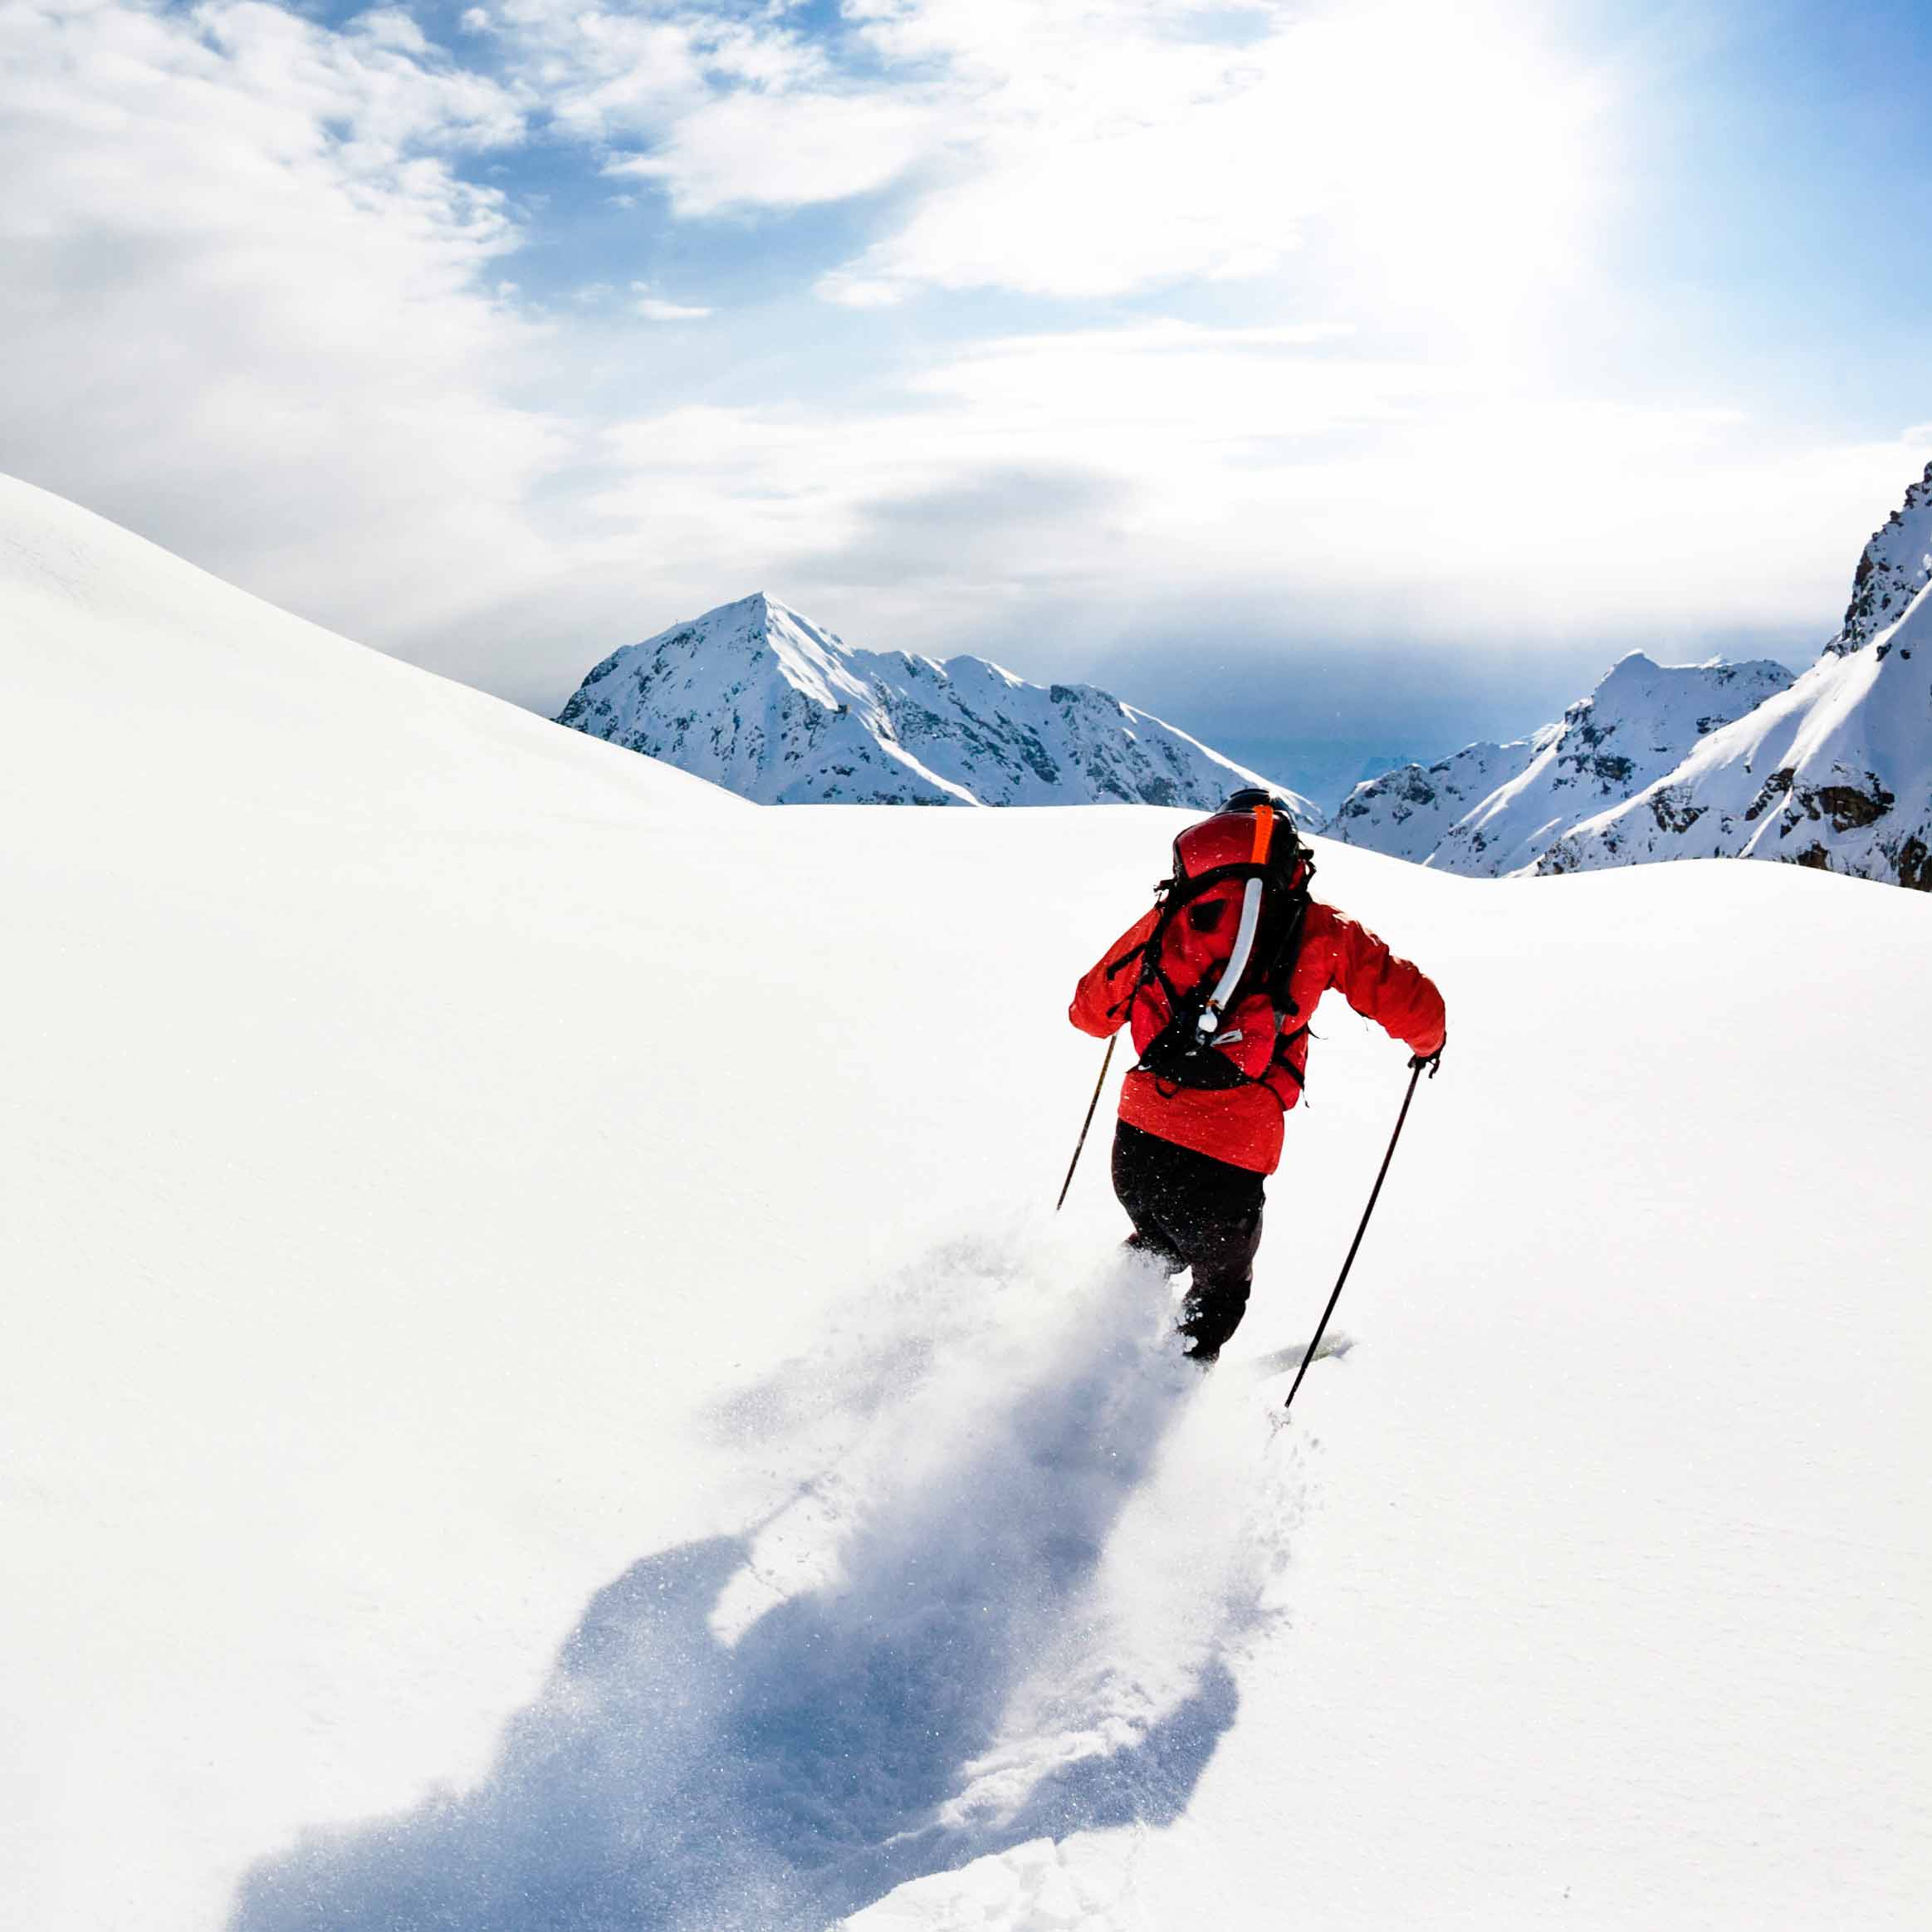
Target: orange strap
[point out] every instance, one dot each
(1264, 835)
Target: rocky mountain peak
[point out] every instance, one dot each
(1835, 773)
(1495, 809)
(757, 697)
(1896, 565)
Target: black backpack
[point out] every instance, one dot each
(1210, 1007)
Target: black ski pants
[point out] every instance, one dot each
(1190, 1210)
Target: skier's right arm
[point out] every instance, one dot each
(1103, 996)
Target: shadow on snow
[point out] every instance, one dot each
(675, 1775)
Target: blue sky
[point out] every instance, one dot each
(1341, 379)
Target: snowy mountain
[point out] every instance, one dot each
(1835, 773)
(1497, 808)
(1895, 566)
(1408, 812)
(540, 1386)
(1831, 770)
(762, 701)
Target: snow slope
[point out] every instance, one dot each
(1835, 773)
(761, 700)
(539, 1389)
(1497, 808)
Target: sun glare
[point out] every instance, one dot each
(1459, 158)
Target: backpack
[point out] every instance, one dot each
(1211, 1008)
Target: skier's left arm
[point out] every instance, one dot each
(1392, 992)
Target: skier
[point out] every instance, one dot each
(1217, 984)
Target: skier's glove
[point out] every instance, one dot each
(1431, 1061)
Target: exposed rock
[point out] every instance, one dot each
(1850, 807)
(1671, 807)
(1775, 787)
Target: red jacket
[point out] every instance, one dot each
(1242, 1125)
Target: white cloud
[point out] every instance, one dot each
(782, 150)
(1084, 149)
(723, 110)
(614, 74)
(1137, 470)
(246, 303)
(655, 309)
(1059, 146)
(1093, 151)
(1090, 150)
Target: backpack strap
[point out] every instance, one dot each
(1270, 967)
(1283, 1050)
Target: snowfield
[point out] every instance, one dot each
(541, 1389)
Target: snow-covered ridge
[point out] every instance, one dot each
(1832, 770)
(1496, 808)
(216, 681)
(1834, 773)
(759, 699)
(1408, 812)
(1895, 566)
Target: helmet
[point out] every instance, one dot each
(1228, 839)
(1248, 796)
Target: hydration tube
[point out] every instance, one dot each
(1211, 1015)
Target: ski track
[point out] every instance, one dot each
(1006, 1608)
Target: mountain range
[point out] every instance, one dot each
(1831, 770)
(1495, 809)
(758, 698)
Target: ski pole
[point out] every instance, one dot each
(1080, 1144)
(1374, 1194)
